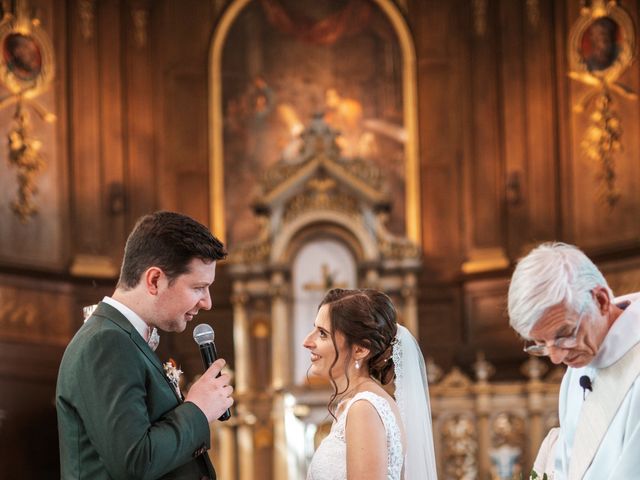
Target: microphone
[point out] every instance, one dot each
(203, 336)
(585, 383)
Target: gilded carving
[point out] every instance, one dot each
(87, 14)
(309, 201)
(480, 17)
(256, 251)
(482, 368)
(140, 18)
(534, 368)
(602, 45)
(460, 448)
(434, 371)
(17, 317)
(319, 145)
(456, 379)
(533, 12)
(507, 432)
(26, 71)
(25, 155)
(392, 246)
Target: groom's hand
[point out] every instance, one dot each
(210, 393)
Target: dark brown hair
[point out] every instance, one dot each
(366, 318)
(169, 241)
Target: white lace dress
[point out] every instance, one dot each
(330, 460)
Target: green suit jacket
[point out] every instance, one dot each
(118, 415)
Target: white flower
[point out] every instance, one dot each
(173, 373)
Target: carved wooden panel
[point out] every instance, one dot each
(530, 172)
(181, 105)
(114, 199)
(440, 110)
(590, 222)
(138, 107)
(440, 326)
(484, 160)
(35, 311)
(85, 140)
(28, 423)
(40, 242)
(487, 321)
(623, 276)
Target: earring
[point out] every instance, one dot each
(357, 364)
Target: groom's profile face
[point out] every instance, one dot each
(179, 300)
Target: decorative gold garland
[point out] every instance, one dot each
(602, 138)
(24, 82)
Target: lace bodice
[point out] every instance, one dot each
(330, 460)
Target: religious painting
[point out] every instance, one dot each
(26, 63)
(284, 61)
(22, 55)
(602, 44)
(599, 46)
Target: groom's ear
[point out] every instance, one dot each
(359, 352)
(151, 278)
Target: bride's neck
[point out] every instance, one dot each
(352, 386)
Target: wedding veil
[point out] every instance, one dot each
(412, 396)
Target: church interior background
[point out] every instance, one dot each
(416, 146)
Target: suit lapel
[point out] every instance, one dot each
(610, 388)
(112, 314)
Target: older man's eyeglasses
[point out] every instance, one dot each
(565, 342)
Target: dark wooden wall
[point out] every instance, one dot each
(501, 170)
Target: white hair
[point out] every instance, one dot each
(552, 274)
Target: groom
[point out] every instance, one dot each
(120, 412)
(561, 303)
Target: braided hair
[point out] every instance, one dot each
(366, 318)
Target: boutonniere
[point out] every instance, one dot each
(173, 373)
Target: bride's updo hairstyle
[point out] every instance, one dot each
(366, 318)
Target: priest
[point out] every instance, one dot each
(561, 304)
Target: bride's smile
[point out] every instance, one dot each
(322, 349)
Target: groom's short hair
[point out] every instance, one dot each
(169, 241)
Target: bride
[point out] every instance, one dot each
(357, 345)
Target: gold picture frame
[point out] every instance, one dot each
(26, 71)
(602, 44)
(26, 59)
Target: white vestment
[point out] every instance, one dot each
(618, 454)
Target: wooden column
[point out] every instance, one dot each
(240, 338)
(410, 307)
(280, 337)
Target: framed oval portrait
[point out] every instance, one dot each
(603, 45)
(26, 62)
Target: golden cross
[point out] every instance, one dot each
(328, 281)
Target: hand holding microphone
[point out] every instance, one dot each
(212, 392)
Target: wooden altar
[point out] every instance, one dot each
(322, 222)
